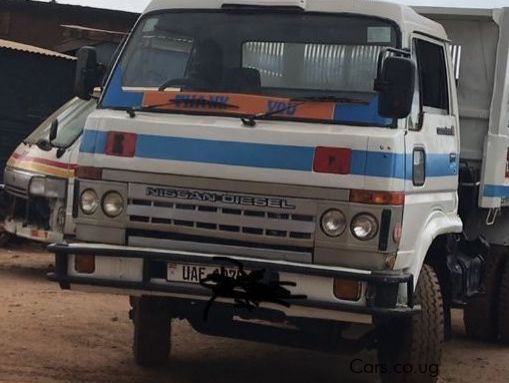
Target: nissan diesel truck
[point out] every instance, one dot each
(327, 174)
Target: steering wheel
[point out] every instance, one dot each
(182, 82)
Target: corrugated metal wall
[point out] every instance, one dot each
(324, 66)
(32, 87)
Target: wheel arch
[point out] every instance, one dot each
(437, 228)
(436, 240)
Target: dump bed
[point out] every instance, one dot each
(480, 50)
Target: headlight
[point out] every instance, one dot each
(47, 187)
(333, 223)
(113, 204)
(38, 186)
(364, 227)
(89, 201)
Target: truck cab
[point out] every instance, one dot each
(290, 161)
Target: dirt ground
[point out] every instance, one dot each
(49, 335)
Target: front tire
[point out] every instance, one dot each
(152, 331)
(410, 350)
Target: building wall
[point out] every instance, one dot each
(33, 86)
(39, 23)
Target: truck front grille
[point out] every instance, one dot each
(293, 223)
(248, 222)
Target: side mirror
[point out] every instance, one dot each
(396, 87)
(53, 132)
(88, 73)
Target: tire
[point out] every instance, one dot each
(152, 331)
(480, 315)
(503, 309)
(410, 349)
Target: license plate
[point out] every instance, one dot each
(195, 273)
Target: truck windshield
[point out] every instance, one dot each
(256, 62)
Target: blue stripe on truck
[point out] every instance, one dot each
(268, 156)
(496, 191)
(226, 153)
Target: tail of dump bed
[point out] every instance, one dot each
(480, 49)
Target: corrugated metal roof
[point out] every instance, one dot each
(6, 44)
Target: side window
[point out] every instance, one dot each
(432, 76)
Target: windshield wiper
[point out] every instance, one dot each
(193, 102)
(44, 144)
(47, 146)
(251, 120)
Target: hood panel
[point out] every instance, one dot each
(221, 147)
(31, 159)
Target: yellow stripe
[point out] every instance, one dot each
(41, 168)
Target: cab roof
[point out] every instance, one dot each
(408, 20)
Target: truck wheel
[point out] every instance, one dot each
(152, 331)
(410, 350)
(480, 313)
(503, 310)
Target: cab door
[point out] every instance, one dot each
(432, 138)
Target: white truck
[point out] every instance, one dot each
(39, 177)
(292, 171)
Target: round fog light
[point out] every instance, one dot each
(113, 204)
(89, 201)
(364, 227)
(333, 223)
